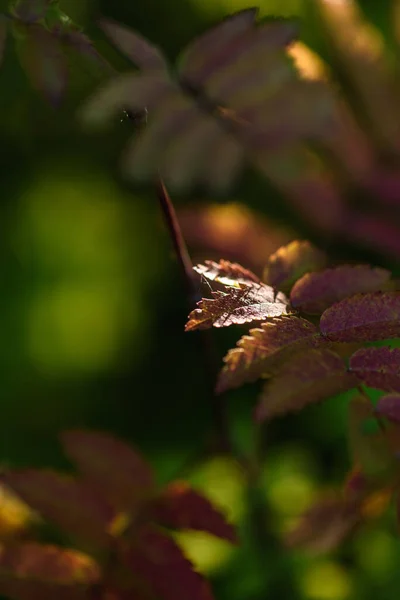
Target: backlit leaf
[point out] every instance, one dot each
(290, 262)
(67, 503)
(314, 292)
(243, 305)
(389, 407)
(181, 507)
(306, 379)
(227, 273)
(324, 525)
(31, 571)
(44, 62)
(378, 367)
(265, 349)
(137, 48)
(30, 11)
(159, 565)
(363, 317)
(112, 467)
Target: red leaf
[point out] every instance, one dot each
(67, 503)
(265, 349)
(180, 507)
(306, 379)
(134, 46)
(227, 273)
(30, 11)
(389, 407)
(111, 466)
(31, 571)
(378, 367)
(324, 525)
(243, 305)
(44, 62)
(159, 565)
(290, 262)
(315, 292)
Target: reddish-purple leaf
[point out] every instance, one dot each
(181, 507)
(44, 62)
(112, 467)
(363, 318)
(227, 273)
(306, 379)
(389, 407)
(67, 503)
(324, 525)
(315, 292)
(290, 262)
(265, 349)
(30, 11)
(32, 571)
(134, 46)
(158, 565)
(243, 305)
(378, 367)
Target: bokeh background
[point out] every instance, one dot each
(92, 311)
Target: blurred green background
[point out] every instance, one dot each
(92, 316)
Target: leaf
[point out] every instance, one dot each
(110, 466)
(134, 46)
(159, 565)
(32, 571)
(369, 450)
(3, 36)
(227, 273)
(44, 63)
(324, 526)
(30, 11)
(389, 407)
(378, 367)
(315, 292)
(65, 502)
(181, 507)
(363, 318)
(308, 378)
(265, 349)
(290, 262)
(239, 306)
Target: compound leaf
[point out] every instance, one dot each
(112, 467)
(181, 507)
(378, 367)
(306, 379)
(290, 262)
(265, 349)
(315, 292)
(363, 318)
(238, 306)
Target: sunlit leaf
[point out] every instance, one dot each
(363, 317)
(290, 262)
(181, 507)
(238, 306)
(389, 407)
(158, 563)
(305, 379)
(315, 292)
(44, 62)
(31, 571)
(65, 502)
(137, 48)
(378, 367)
(265, 349)
(30, 11)
(227, 273)
(324, 525)
(113, 468)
